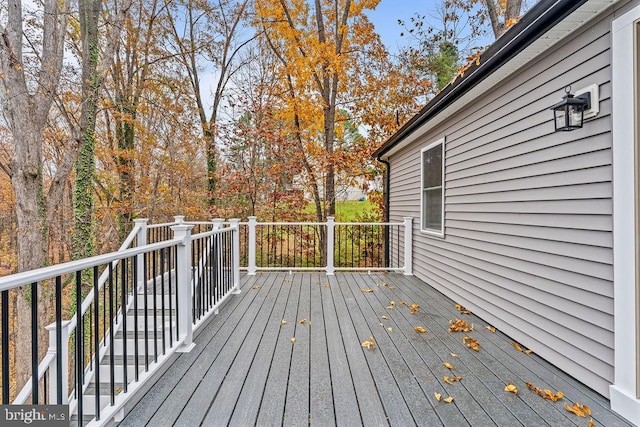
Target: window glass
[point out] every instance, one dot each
(432, 195)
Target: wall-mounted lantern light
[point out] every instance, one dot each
(568, 114)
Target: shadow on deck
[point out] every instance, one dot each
(247, 369)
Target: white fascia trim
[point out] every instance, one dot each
(623, 391)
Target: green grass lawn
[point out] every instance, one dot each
(348, 211)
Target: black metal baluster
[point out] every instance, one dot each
(79, 346)
(136, 327)
(155, 298)
(34, 343)
(96, 337)
(162, 289)
(59, 340)
(169, 269)
(112, 379)
(5, 347)
(146, 310)
(123, 308)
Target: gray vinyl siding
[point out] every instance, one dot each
(528, 225)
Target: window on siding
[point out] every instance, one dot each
(432, 188)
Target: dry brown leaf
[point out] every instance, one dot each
(390, 329)
(404, 303)
(293, 340)
(455, 378)
(283, 322)
(392, 288)
(516, 346)
(586, 410)
(381, 324)
(459, 325)
(414, 308)
(256, 287)
(448, 399)
(491, 328)
(471, 343)
(511, 389)
(591, 423)
(420, 329)
(370, 344)
(438, 396)
(453, 355)
(392, 304)
(446, 380)
(327, 285)
(575, 409)
(531, 386)
(451, 380)
(384, 318)
(448, 366)
(546, 393)
(528, 352)
(462, 310)
(301, 321)
(366, 290)
(117, 389)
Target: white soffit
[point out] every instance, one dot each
(572, 23)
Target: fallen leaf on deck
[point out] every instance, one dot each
(459, 325)
(370, 344)
(491, 328)
(586, 409)
(528, 352)
(446, 380)
(283, 322)
(366, 290)
(301, 321)
(392, 288)
(293, 340)
(404, 303)
(390, 329)
(256, 287)
(546, 393)
(392, 304)
(438, 396)
(576, 409)
(381, 324)
(591, 423)
(511, 389)
(327, 285)
(448, 366)
(117, 389)
(471, 343)
(462, 310)
(453, 355)
(384, 317)
(448, 399)
(420, 329)
(414, 308)
(516, 346)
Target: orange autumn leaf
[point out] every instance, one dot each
(511, 389)
(283, 322)
(448, 366)
(591, 423)
(327, 285)
(448, 399)
(438, 396)
(462, 310)
(293, 340)
(576, 409)
(404, 303)
(301, 321)
(370, 344)
(528, 352)
(366, 290)
(491, 328)
(586, 409)
(459, 325)
(414, 308)
(516, 346)
(256, 287)
(420, 329)
(451, 380)
(471, 343)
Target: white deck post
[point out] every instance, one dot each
(408, 246)
(251, 261)
(185, 308)
(178, 219)
(235, 243)
(53, 369)
(330, 233)
(141, 240)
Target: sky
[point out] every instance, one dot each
(385, 19)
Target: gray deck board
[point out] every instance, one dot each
(245, 370)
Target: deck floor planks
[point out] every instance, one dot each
(346, 408)
(390, 393)
(206, 389)
(321, 411)
(370, 403)
(238, 376)
(406, 377)
(482, 384)
(244, 369)
(274, 397)
(246, 413)
(164, 391)
(533, 369)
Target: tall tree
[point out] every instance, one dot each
(502, 14)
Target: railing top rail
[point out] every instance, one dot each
(323, 223)
(164, 224)
(40, 274)
(210, 233)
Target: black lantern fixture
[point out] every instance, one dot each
(568, 114)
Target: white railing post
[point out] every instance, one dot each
(218, 223)
(235, 243)
(53, 369)
(185, 308)
(408, 246)
(330, 233)
(141, 240)
(251, 252)
(179, 219)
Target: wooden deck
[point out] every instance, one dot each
(245, 369)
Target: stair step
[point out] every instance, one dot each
(118, 344)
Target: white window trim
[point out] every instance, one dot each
(623, 393)
(426, 230)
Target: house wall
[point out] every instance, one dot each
(528, 215)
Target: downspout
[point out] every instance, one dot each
(387, 199)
